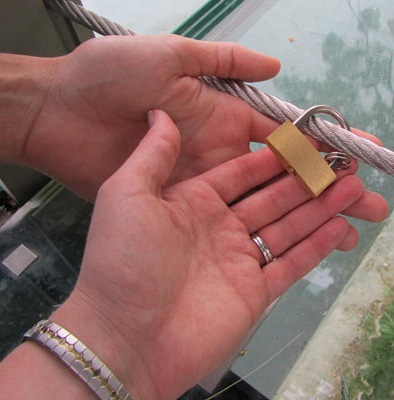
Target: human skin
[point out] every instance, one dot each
(169, 264)
(171, 281)
(85, 112)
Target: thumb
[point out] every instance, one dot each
(224, 59)
(152, 162)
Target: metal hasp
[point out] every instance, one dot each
(297, 154)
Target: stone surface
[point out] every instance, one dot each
(314, 374)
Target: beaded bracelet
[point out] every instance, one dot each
(79, 359)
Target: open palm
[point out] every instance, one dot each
(174, 266)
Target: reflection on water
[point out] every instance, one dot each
(358, 79)
(320, 278)
(148, 16)
(341, 54)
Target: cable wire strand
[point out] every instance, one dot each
(321, 130)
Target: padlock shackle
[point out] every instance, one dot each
(321, 109)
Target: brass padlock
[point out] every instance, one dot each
(299, 156)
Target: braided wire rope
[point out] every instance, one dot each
(87, 18)
(321, 130)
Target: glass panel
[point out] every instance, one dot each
(146, 17)
(206, 18)
(338, 53)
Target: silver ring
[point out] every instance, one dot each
(268, 257)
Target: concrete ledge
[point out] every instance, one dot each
(313, 376)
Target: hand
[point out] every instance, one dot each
(171, 277)
(94, 113)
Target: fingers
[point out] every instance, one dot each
(350, 241)
(300, 259)
(272, 202)
(371, 207)
(239, 175)
(151, 164)
(269, 204)
(307, 218)
(224, 59)
(261, 126)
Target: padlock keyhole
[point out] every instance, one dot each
(291, 170)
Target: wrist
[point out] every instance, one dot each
(108, 341)
(24, 84)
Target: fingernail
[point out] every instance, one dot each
(151, 118)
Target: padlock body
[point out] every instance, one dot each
(300, 158)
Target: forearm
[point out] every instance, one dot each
(31, 371)
(24, 83)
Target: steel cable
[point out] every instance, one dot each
(321, 130)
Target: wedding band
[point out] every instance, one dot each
(268, 257)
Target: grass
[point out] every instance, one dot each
(369, 373)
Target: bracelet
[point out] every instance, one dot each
(79, 359)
